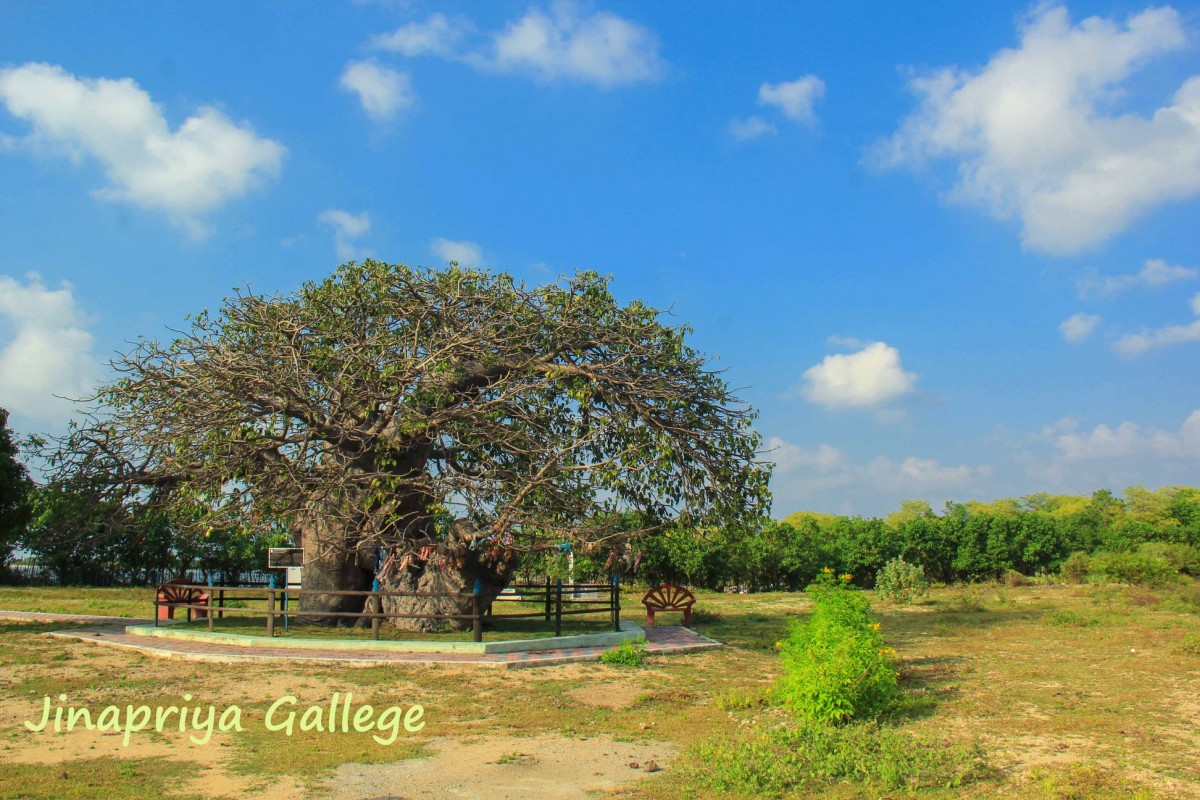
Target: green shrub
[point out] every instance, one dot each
(1182, 557)
(900, 581)
(628, 654)
(835, 666)
(1137, 569)
(1070, 619)
(1014, 578)
(1076, 568)
(788, 759)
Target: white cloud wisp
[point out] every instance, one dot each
(381, 90)
(346, 228)
(564, 43)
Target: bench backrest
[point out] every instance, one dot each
(668, 597)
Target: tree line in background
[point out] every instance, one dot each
(966, 542)
(80, 541)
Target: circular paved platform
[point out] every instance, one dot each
(110, 632)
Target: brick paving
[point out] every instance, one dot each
(110, 632)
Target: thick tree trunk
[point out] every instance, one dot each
(450, 570)
(332, 563)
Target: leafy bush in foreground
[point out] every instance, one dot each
(835, 666)
(779, 760)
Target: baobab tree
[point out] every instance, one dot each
(426, 426)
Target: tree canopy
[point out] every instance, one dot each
(385, 398)
(15, 486)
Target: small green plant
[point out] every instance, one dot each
(969, 600)
(900, 581)
(835, 665)
(515, 758)
(1190, 644)
(628, 654)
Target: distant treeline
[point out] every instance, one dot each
(966, 542)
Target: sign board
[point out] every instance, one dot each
(280, 557)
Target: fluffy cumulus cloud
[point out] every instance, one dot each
(869, 378)
(185, 173)
(1078, 327)
(1133, 344)
(1038, 134)
(794, 98)
(1155, 274)
(45, 349)
(468, 254)
(381, 90)
(346, 228)
(564, 43)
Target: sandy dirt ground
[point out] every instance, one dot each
(505, 768)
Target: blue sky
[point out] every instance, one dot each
(949, 249)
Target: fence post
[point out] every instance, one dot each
(209, 602)
(377, 606)
(221, 603)
(271, 606)
(477, 610)
(558, 610)
(616, 602)
(547, 598)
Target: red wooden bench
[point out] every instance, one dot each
(669, 597)
(172, 593)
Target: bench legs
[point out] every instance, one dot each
(649, 617)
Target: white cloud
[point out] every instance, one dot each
(915, 474)
(1132, 344)
(600, 48)
(346, 228)
(382, 90)
(750, 128)
(1036, 135)
(795, 98)
(438, 36)
(1130, 440)
(49, 351)
(1078, 327)
(468, 254)
(868, 378)
(823, 458)
(564, 43)
(819, 476)
(1155, 273)
(186, 173)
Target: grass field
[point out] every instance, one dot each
(1051, 691)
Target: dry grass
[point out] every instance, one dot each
(1104, 709)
